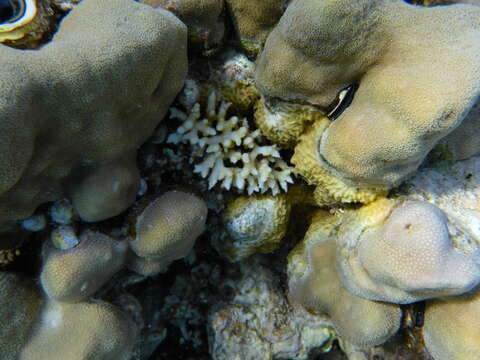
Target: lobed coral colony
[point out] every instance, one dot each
(239, 179)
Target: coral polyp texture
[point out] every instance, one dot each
(315, 284)
(417, 71)
(402, 253)
(71, 274)
(233, 154)
(451, 327)
(165, 229)
(73, 114)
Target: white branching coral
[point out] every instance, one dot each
(231, 153)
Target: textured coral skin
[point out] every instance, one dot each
(74, 274)
(314, 283)
(81, 331)
(253, 20)
(401, 252)
(452, 326)
(86, 100)
(20, 306)
(165, 229)
(418, 70)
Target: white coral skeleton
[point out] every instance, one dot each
(232, 154)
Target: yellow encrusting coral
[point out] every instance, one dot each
(283, 122)
(329, 188)
(232, 154)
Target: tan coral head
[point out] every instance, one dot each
(14, 15)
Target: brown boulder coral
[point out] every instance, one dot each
(20, 306)
(315, 284)
(81, 331)
(417, 69)
(452, 326)
(253, 20)
(165, 229)
(402, 252)
(76, 272)
(83, 103)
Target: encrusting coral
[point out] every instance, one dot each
(416, 69)
(165, 229)
(401, 252)
(74, 114)
(314, 283)
(233, 155)
(330, 190)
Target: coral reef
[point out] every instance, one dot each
(342, 135)
(232, 154)
(401, 252)
(164, 230)
(315, 284)
(451, 325)
(391, 125)
(203, 18)
(79, 137)
(258, 322)
(253, 20)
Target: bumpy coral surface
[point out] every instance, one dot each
(74, 112)
(258, 323)
(81, 331)
(417, 69)
(451, 327)
(72, 274)
(315, 284)
(233, 155)
(203, 18)
(402, 253)
(165, 229)
(20, 306)
(253, 20)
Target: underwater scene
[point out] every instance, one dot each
(239, 180)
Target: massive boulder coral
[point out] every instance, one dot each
(20, 306)
(402, 252)
(416, 68)
(84, 103)
(164, 229)
(315, 284)
(203, 18)
(81, 331)
(451, 327)
(253, 20)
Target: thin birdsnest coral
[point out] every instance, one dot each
(232, 153)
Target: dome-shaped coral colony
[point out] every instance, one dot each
(340, 134)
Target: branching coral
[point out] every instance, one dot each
(233, 154)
